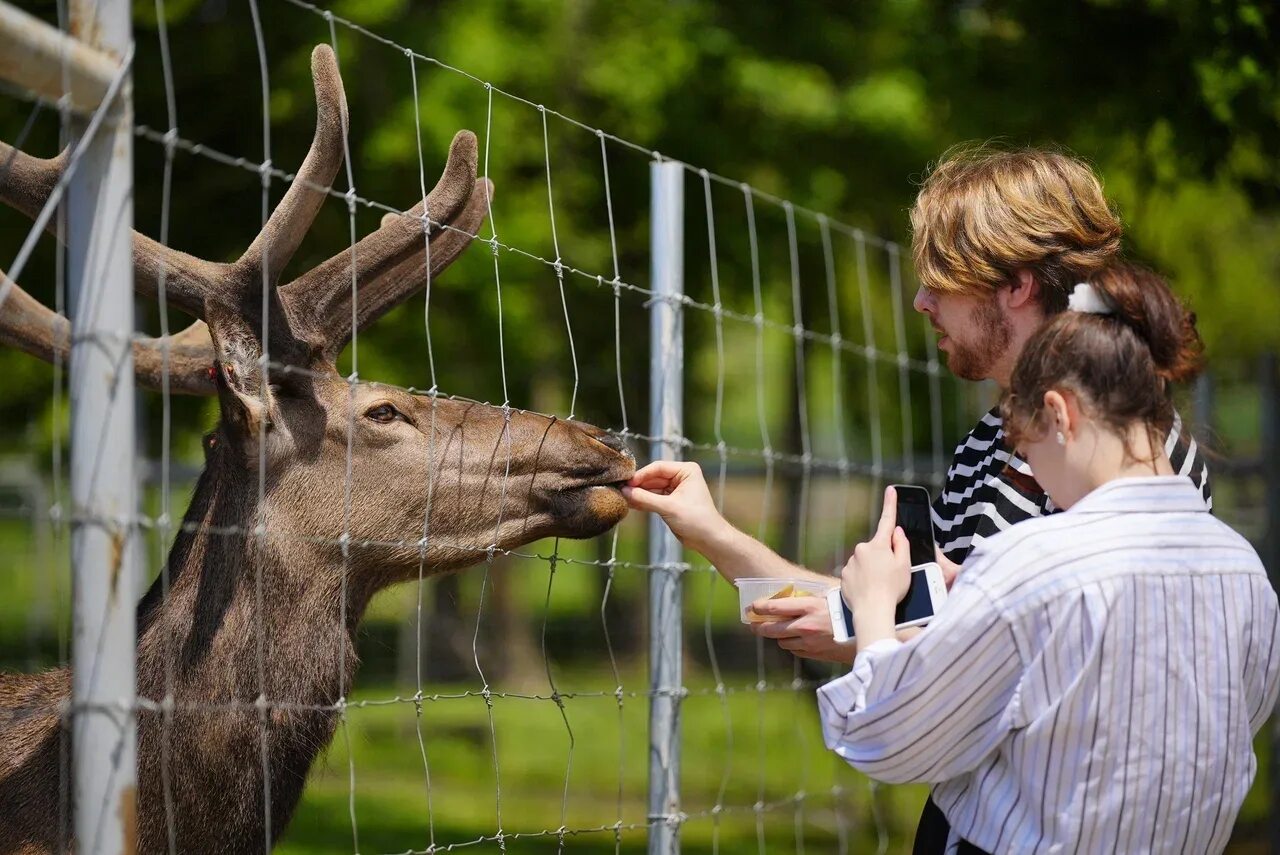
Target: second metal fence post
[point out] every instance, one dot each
(666, 427)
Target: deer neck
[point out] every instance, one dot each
(245, 616)
(249, 610)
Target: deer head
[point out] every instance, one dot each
(413, 480)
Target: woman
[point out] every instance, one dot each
(1096, 677)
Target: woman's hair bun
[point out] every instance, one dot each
(1143, 301)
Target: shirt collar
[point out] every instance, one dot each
(1152, 494)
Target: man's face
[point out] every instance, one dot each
(972, 330)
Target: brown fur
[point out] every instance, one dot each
(262, 592)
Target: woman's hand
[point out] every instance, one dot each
(878, 576)
(678, 493)
(950, 569)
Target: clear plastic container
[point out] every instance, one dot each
(750, 590)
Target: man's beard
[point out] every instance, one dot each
(991, 333)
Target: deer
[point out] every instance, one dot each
(316, 493)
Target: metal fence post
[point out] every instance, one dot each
(104, 546)
(666, 426)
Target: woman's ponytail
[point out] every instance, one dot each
(1119, 362)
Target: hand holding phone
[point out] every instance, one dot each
(927, 593)
(927, 589)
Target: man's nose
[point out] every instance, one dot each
(924, 302)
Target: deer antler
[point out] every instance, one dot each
(26, 182)
(279, 239)
(411, 275)
(29, 325)
(396, 243)
(310, 317)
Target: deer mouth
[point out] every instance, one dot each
(603, 489)
(606, 485)
(593, 505)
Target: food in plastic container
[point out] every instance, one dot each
(750, 590)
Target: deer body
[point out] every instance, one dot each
(316, 494)
(199, 645)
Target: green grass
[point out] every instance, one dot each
(760, 747)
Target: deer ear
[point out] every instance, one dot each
(244, 410)
(246, 406)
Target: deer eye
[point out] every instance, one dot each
(385, 414)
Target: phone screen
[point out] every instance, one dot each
(915, 517)
(915, 606)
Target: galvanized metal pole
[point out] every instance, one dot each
(666, 426)
(104, 532)
(46, 61)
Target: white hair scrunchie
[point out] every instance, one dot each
(1085, 298)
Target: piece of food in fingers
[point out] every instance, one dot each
(753, 590)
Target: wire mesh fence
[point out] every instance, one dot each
(505, 708)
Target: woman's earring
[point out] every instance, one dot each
(1062, 440)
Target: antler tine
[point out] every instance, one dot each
(409, 277)
(289, 222)
(29, 325)
(323, 294)
(26, 183)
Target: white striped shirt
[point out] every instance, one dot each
(1092, 684)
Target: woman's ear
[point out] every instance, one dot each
(1062, 412)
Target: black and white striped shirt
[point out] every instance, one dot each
(1092, 684)
(989, 488)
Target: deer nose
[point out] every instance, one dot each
(616, 443)
(606, 439)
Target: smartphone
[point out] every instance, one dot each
(915, 516)
(928, 590)
(927, 593)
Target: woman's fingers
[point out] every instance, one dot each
(888, 516)
(950, 569)
(901, 546)
(907, 633)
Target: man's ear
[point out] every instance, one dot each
(1023, 289)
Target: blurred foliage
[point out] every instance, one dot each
(839, 107)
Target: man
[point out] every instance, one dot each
(999, 240)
